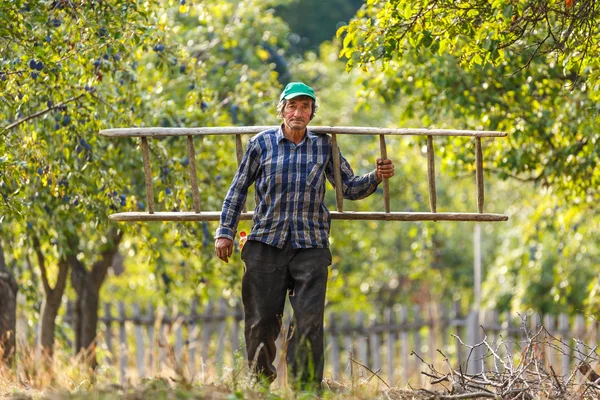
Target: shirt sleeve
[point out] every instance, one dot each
(236, 195)
(353, 187)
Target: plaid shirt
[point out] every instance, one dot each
(290, 189)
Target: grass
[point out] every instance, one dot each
(66, 377)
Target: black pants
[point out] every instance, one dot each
(270, 274)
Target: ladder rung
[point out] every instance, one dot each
(193, 174)
(347, 215)
(431, 174)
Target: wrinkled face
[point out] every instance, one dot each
(297, 112)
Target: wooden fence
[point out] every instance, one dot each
(208, 341)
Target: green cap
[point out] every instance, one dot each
(295, 89)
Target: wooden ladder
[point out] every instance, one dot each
(387, 215)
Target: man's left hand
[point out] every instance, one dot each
(385, 169)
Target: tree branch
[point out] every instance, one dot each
(42, 264)
(2, 259)
(63, 273)
(500, 172)
(39, 113)
(31, 270)
(100, 267)
(371, 371)
(5, 273)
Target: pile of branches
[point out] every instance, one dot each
(531, 377)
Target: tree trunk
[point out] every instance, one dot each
(89, 319)
(49, 312)
(87, 286)
(8, 312)
(52, 299)
(79, 282)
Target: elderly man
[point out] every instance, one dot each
(288, 247)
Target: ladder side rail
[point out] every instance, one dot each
(346, 215)
(158, 132)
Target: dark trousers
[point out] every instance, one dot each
(270, 274)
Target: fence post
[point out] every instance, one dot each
(404, 346)
(192, 328)
(549, 350)
(122, 344)
(335, 349)
(432, 322)
(388, 318)
(348, 346)
(475, 359)
(363, 355)
(152, 354)
(235, 332)
(374, 343)
(178, 326)
(139, 340)
(207, 322)
(108, 333)
(579, 337)
(416, 309)
(563, 327)
(162, 337)
(222, 315)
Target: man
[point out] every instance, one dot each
(288, 247)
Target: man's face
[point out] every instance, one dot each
(297, 111)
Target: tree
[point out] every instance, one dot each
(52, 299)
(463, 62)
(108, 65)
(8, 310)
(527, 68)
(70, 54)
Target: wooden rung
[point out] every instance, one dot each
(239, 152)
(479, 175)
(347, 215)
(339, 190)
(148, 174)
(386, 183)
(193, 175)
(431, 174)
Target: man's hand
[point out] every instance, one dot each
(224, 248)
(385, 169)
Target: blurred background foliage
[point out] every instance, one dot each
(68, 71)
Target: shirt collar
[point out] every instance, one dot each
(308, 134)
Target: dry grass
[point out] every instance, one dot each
(65, 377)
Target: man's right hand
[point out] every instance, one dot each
(224, 248)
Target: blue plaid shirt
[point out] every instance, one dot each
(290, 189)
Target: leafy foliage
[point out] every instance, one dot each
(69, 70)
(524, 67)
(479, 32)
